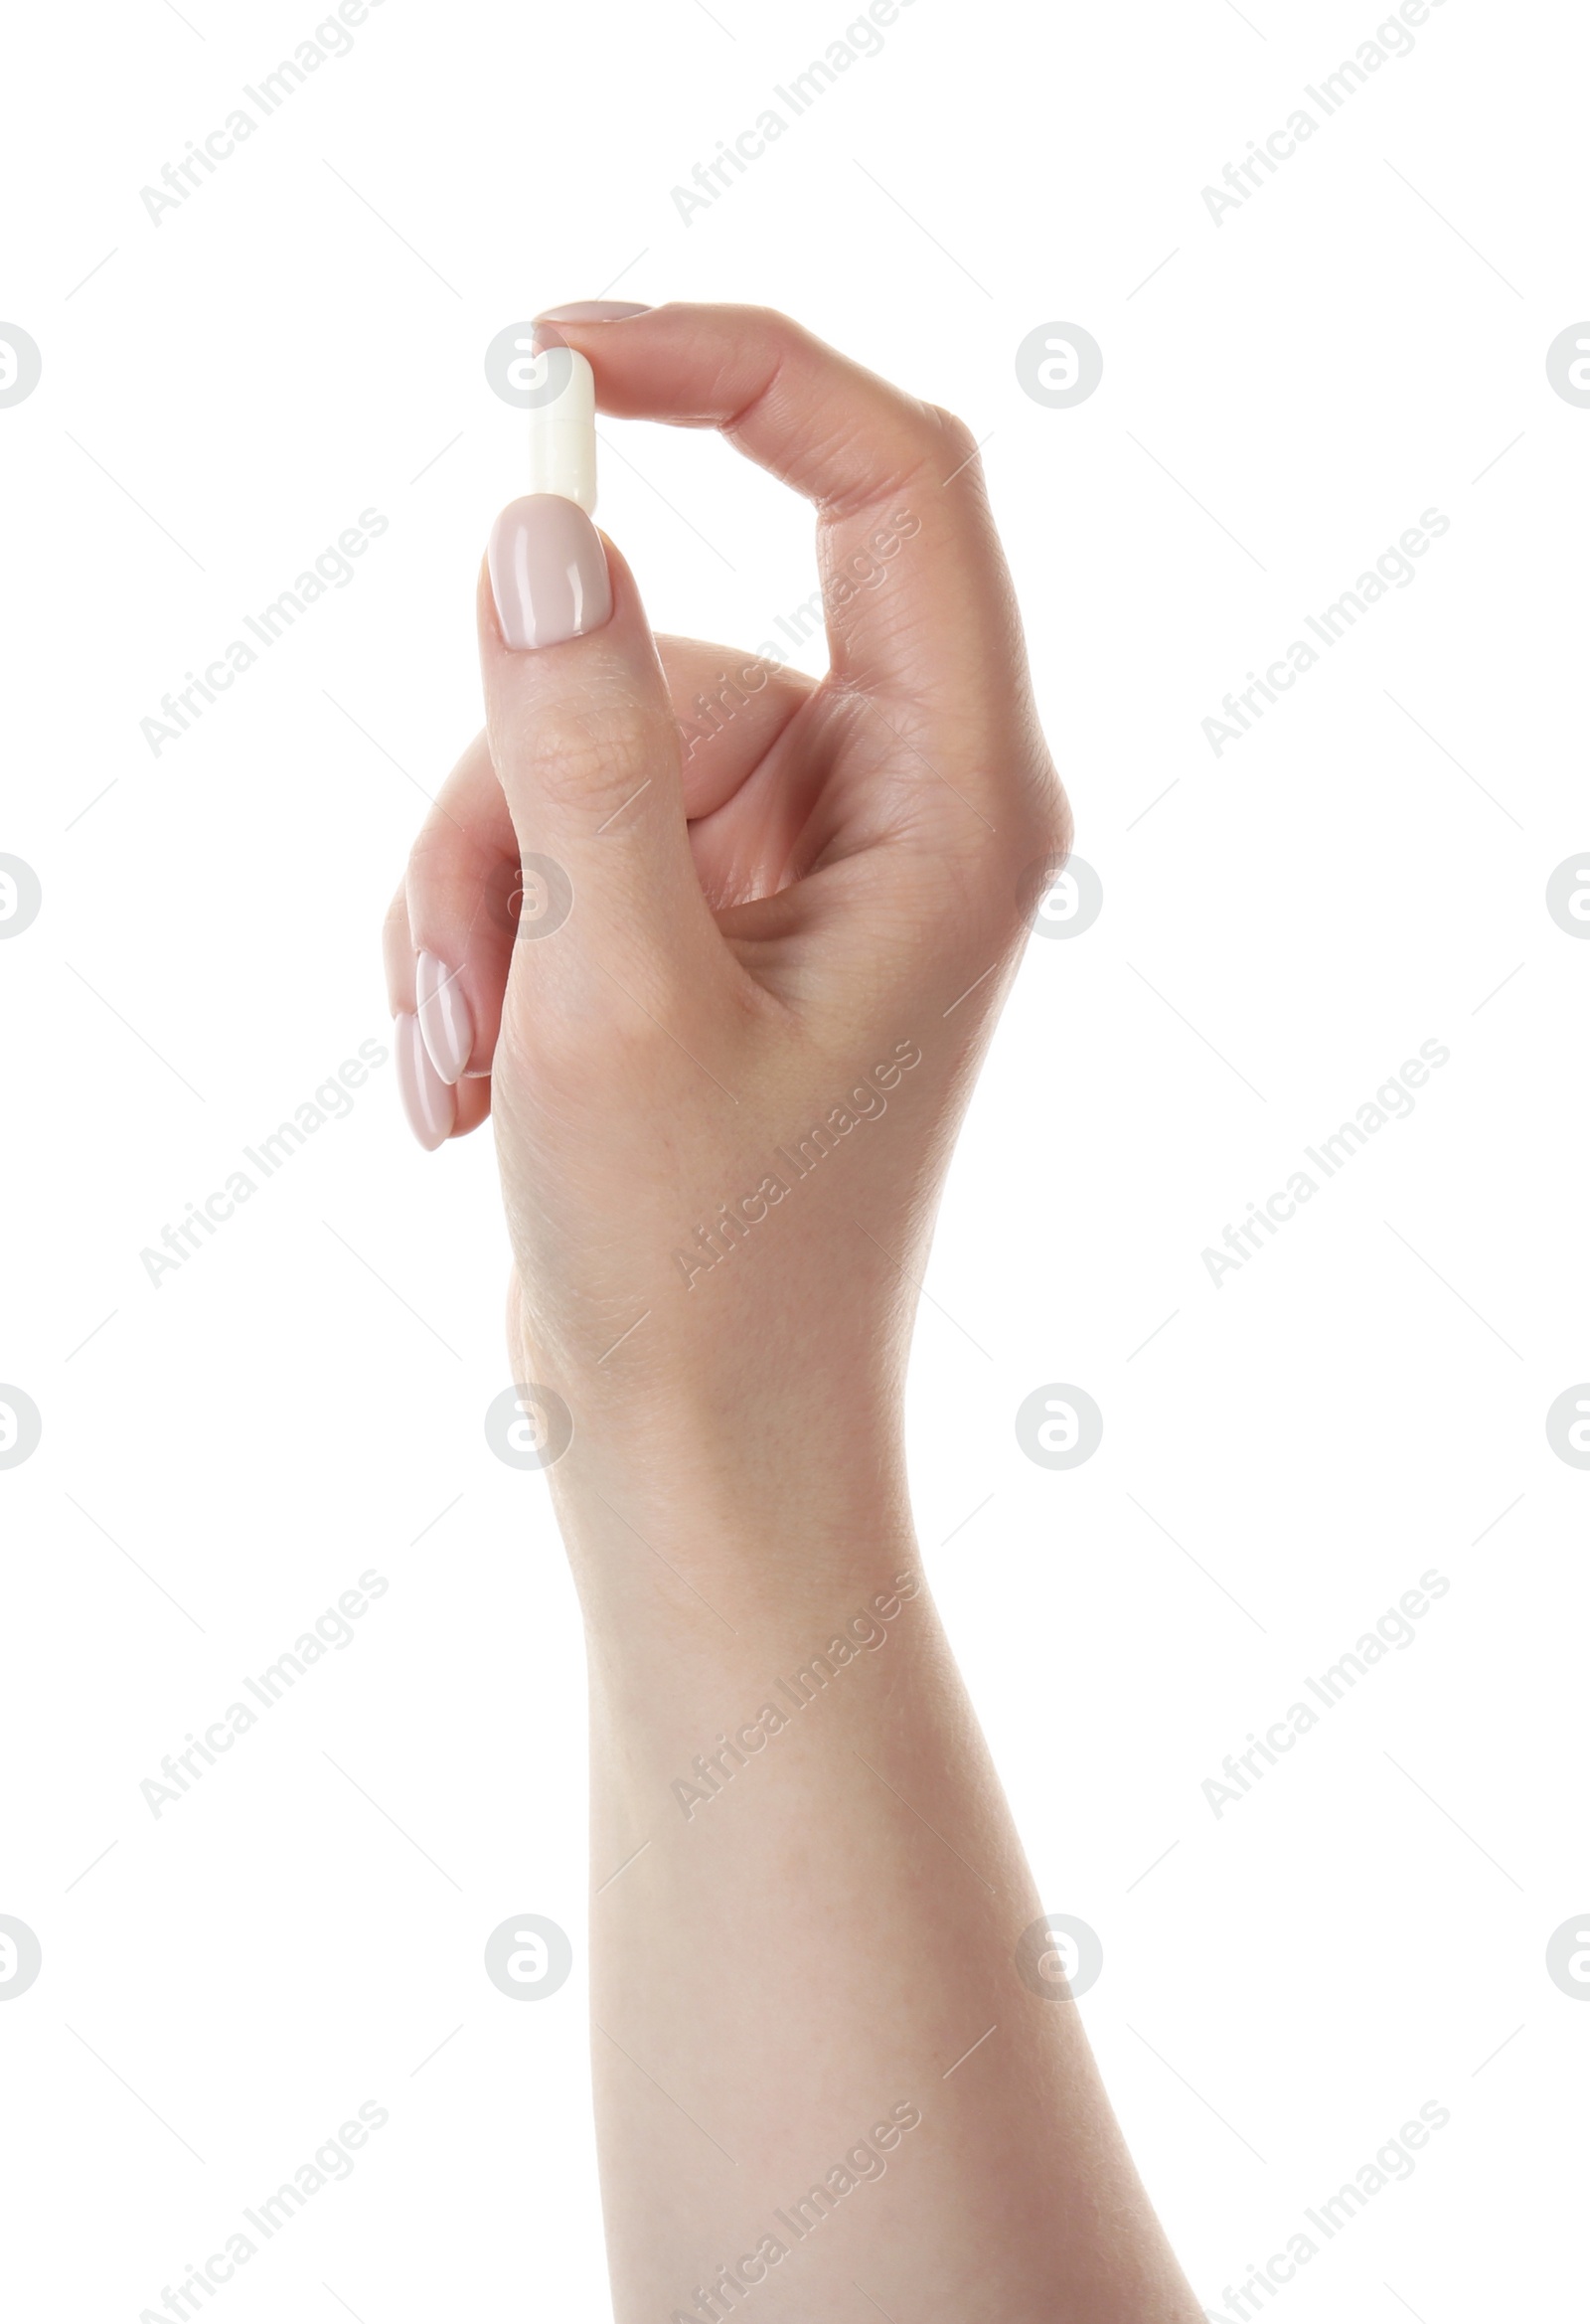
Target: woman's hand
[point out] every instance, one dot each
(732, 1035)
(728, 1046)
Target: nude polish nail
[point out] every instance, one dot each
(549, 571)
(445, 1024)
(592, 310)
(427, 1101)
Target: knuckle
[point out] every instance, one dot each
(593, 754)
(1046, 828)
(447, 864)
(1056, 823)
(999, 878)
(951, 436)
(585, 1041)
(431, 846)
(394, 929)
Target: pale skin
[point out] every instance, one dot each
(809, 1932)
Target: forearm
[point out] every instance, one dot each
(730, 1029)
(807, 1902)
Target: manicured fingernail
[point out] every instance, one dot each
(592, 310)
(427, 1101)
(549, 571)
(446, 1025)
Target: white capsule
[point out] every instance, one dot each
(562, 429)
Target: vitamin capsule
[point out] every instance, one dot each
(562, 429)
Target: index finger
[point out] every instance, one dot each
(915, 592)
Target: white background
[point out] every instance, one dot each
(223, 1456)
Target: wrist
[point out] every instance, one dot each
(732, 1516)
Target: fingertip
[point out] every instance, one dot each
(546, 573)
(446, 1022)
(427, 1101)
(398, 953)
(471, 1104)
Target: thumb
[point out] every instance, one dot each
(585, 742)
